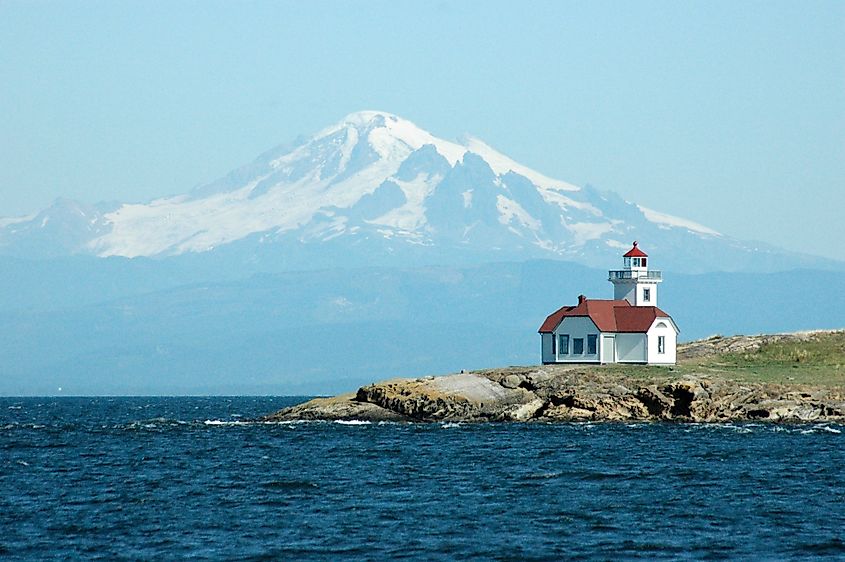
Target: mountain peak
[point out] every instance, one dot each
(382, 130)
(367, 117)
(375, 186)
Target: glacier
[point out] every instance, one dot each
(375, 188)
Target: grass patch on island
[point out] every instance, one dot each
(817, 358)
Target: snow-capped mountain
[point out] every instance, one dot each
(375, 187)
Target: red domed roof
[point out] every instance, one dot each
(635, 252)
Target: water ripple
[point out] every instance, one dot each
(170, 478)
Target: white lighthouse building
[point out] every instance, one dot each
(634, 282)
(628, 329)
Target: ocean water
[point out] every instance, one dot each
(192, 478)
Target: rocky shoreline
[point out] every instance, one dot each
(559, 393)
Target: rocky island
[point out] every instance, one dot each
(796, 377)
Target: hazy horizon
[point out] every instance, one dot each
(731, 115)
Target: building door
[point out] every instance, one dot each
(608, 349)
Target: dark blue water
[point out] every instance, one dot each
(174, 478)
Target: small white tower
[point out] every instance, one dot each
(635, 283)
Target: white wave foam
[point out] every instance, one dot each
(734, 428)
(224, 422)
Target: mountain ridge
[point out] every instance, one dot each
(375, 183)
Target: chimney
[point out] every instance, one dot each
(581, 299)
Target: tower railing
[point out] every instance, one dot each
(633, 274)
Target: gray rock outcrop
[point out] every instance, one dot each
(551, 393)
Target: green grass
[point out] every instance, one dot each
(818, 360)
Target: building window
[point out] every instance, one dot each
(577, 346)
(646, 294)
(554, 350)
(642, 261)
(564, 344)
(661, 344)
(592, 340)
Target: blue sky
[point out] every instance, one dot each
(728, 113)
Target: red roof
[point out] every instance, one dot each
(635, 252)
(607, 315)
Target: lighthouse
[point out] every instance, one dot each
(628, 329)
(635, 283)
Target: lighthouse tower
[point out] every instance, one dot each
(634, 282)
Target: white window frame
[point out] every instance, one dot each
(661, 345)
